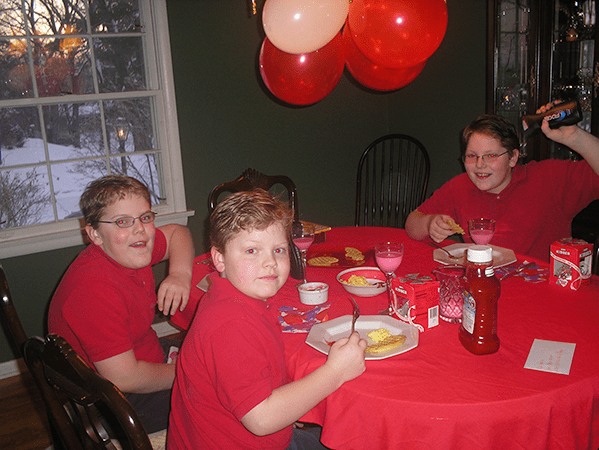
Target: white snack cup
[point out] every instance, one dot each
(313, 293)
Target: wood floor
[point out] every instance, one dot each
(23, 420)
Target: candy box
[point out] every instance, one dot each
(571, 263)
(420, 292)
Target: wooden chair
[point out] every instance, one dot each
(393, 175)
(251, 179)
(9, 312)
(74, 394)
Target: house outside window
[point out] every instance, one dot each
(86, 90)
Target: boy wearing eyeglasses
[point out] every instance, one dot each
(105, 303)
(533, 204)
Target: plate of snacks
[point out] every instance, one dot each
(348, 257)
(363, 281)
(385, 336)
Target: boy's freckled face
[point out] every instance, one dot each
(256, 262)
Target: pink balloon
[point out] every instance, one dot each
(398, 33)
(372, 75)
(303, 26)
(302, 79)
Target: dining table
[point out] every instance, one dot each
(438, 395)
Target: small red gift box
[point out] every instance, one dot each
(420, 292)
(571, 263)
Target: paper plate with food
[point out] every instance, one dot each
(385, 336)
(363, 281)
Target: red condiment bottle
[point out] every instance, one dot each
(478, 332)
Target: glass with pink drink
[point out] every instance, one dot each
(388, 257)
(481, 230)
(302, 235)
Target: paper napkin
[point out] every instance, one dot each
(300, 320)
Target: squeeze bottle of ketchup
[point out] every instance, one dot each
(478, 332)
(568, 113)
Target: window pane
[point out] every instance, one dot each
(15, 74)
(145, 169)
(24, 197)
(11, 19)
(122, 64)
(116, 16)
(20, 137)
(130, 125)
(69, 181)
(55, 16)
(73, 130)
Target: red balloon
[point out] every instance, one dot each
(398, 33)
(302, 79)
(372, 75)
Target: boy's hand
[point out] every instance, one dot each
(439, 228)
(346, 357)
(173, 293)
(563, 134)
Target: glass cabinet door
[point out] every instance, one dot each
(512, 78)
(541, 51)
(572, 62)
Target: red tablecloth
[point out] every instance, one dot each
(440, 396)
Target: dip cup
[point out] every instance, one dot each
(313, 293)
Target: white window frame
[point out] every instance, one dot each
(68, 233)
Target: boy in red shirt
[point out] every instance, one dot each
(105, 303)
(231, 390)
(533, 205)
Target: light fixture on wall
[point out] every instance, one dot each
(385, 43)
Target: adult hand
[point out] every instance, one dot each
(346, 357)
(173, 293)
(439, 228)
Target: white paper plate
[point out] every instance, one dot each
(501, 256)
(322, 335)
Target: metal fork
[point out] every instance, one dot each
(356, 314)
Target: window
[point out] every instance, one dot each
(86, 89)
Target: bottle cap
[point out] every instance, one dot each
(480, 254)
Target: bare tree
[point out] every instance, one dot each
(22, 199)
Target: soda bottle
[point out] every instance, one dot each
(568, 113)
(478, 332)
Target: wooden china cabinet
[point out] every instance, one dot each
(538, 51)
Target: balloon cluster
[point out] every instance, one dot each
(383, 43)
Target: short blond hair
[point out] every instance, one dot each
(247, 210)
(104, 191)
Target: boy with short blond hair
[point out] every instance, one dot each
(105, 304)
(231, 390)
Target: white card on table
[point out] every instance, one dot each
(550, 356)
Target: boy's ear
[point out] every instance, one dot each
(93, 235)
(218, 259)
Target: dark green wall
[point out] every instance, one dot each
(229, 122)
